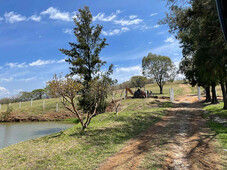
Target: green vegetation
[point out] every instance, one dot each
(202, 64)
(73, 149)
(50, 104)
(221, 132)
(37, 106)
(138, 81)
(85, 62)
(217, 110)
(219, 129)
(160, 68)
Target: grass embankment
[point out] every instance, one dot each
(106, 135)
(35, 112)
(36, 107)
(24, 111)
(219, 128)
(179, 89)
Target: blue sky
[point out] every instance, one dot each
(31, 32)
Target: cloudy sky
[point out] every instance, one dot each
(31, 32)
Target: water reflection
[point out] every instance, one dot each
(12, 133)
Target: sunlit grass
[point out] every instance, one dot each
(217, 109)
(219, 128)
(106, 135)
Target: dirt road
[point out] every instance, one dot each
(180, 141)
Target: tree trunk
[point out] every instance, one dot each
(214, 95)
(208, 97)
(223, 89)
(161, 89)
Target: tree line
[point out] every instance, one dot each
(196, 25)
(36, 94)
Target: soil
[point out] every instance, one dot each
(182, 137)
(50, 116)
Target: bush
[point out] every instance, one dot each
(5, 115)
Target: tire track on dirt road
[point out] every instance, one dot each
(187, 143)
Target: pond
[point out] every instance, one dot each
(12, 133)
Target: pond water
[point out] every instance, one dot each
(12, 133)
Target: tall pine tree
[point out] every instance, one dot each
(83, 56)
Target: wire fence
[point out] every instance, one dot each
(35, 106)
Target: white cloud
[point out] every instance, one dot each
(150, 42)
(118, 11)
(4, 91)
(12, 17)
(61, 61)
(142, 27)
(68, 31)
(128, 22)
(170, 39)
(18, 65)
(133, 16)
(27, 79)
(7, 79)
(125, 73)
(101, 17)
(56, 14)
(129, 69)
(1, 18)
(35, 18)
(153, 14)
(74, 14)
(35, 63)
(115, 31)
(157, 26)
(41, 62)
(166, 49)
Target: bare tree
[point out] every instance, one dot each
(67, 89)
(114, 101)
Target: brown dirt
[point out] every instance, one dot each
(187, 142)
(50, 116)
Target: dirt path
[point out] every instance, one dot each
(180, 141)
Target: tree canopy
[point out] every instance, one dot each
(196, 25)
(158, 67)
(84, 54)
(138, 81)
(85, 62)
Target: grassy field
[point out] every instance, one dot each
(219, 128)
(75, 150)
(36, 109)
(179, 89)
(106, 135)
(217, 110)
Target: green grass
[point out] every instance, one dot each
(37, 106)
(106, 135)
(216, 109)
(219, 129)
(50, 104)
(221, 132)
(177, 88)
